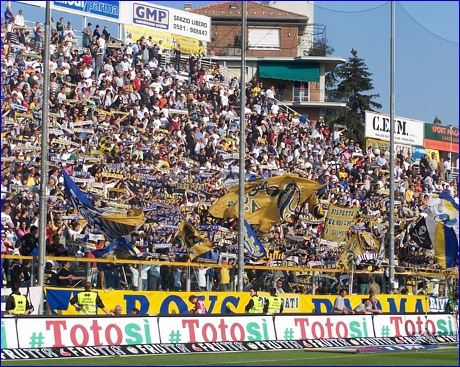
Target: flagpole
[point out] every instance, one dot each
(392, 149)
(242, 149)
(44, 155)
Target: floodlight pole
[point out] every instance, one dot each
(242, 149)
(391, 214)
(44, 155)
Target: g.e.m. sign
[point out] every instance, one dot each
(407, 131)
(151, 16)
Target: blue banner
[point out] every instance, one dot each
(252, 243)
(109, 9)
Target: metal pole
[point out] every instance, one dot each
(188, 285)
(44, 155)
(242, 149)
(392, 148)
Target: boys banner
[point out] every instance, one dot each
(338, 222)
(169, 303)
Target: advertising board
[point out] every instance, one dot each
(407, 131)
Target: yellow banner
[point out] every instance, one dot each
(187, 45)
(351, 250)
(338, 222)
(196, 245)
(266, 201)
(158, 302)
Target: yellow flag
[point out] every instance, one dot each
(266, 201)
(338, 222)
(196, 245)
(351, 251)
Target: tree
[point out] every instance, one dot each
(349, 83)
(321, 47)
(437, 120)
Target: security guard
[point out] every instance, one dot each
(273, 303)
(255, 304)
(16, 303)
(87, 302)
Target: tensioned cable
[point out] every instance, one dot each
(426, 29)
(350, 12)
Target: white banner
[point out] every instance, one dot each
(36, 297)
(323, 326)
(216, 329)
(86, 331)
(414, 325)
(9, 338)
(407, 131)
(171, 20)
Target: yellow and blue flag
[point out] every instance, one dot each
(266, 201)
(111, 225)
(196, 245)
(446, 246)
(120, 248)
(252, 243)
(351, 251)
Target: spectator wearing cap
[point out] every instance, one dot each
(96, 33)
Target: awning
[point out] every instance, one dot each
(300, 72)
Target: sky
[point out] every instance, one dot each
(426, 55)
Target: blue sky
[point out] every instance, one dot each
(427, 62)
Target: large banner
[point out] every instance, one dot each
(382, 144)
(94, 336)
(216, 329)
(86, 331)
(9, 338)
(187, 45)
(338, 222)
(323, 327)
(407, 131)
(36, 297)
(441, 137)
(419, 152)
(157, 302)
(171, 20)
(413, 325)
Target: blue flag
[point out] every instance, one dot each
(118, 249)
(252, 243)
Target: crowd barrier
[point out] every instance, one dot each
(158, 302)
(84, 331)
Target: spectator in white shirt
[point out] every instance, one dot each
(19, 19)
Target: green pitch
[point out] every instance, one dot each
(437, 357)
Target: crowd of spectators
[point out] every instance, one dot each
(135, 128)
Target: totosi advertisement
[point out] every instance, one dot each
(167, 303)
(187, 45)
(323, 327)
(9, 338)
(102, 335)
(413, 325)
(216, 329)
(84, 331)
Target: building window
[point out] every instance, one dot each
(300, 92)
(264, 39)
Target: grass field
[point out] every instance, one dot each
(436, 357)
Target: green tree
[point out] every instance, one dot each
(349, 83)
(321, 47)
